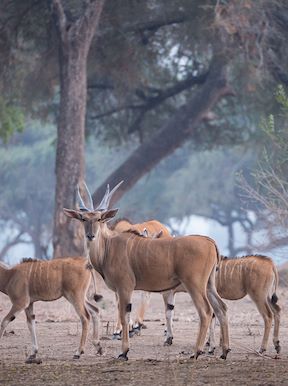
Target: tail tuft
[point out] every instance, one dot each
(274, 298)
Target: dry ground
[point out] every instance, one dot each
(150, 363)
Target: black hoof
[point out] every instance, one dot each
(211, 351)
(32, 359)
(117, 336)
(76, 356)
(261, 350)
(224, 354)
(207, 344)
(99, 350)
(123, 357)
(168, 341)
(198, 353)
(278, 347)
(131, 333)
(137, 329)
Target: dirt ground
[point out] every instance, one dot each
(150, 363)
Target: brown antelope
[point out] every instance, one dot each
(154, 229)
(252, 275)
(34, 280)
(128, 262)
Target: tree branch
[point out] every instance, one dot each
(150, 26)
(100, 85)
(115, 110)
(90, 20)
(172, 135)
(154, 101)
(60, 17)
(16, 240)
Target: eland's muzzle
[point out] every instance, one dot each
(90, 237)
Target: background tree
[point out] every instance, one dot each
(74, 38)
(156, 68)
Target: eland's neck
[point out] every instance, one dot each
(97, 248)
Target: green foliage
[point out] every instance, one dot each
(11, 120)
(281, 97)
(276, 130)
(268, 184)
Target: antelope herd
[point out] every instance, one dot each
(142, 257)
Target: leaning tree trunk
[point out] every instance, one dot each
(172, 135)
(74, 43)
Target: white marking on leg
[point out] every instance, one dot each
(169, 315)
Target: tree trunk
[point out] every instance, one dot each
(172, 135)
(74, 43)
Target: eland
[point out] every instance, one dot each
(129, 262)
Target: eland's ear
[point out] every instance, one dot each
(108, 214)
(72, 213)
(145, 232)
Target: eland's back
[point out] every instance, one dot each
(48, 280)
(157, 264)
(238, 277)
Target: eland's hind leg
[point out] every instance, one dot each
(14, 311)
(220, 310)
(276, 309)
(144, 303)
(79, 305)
(266, 313)
(204, 310)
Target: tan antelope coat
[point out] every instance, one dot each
(252, 275)
(155, 228)
(34, 280)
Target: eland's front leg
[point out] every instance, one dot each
(125, 308)
(84, 315)
(169, 301)
(117, 333)
(220, 310)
